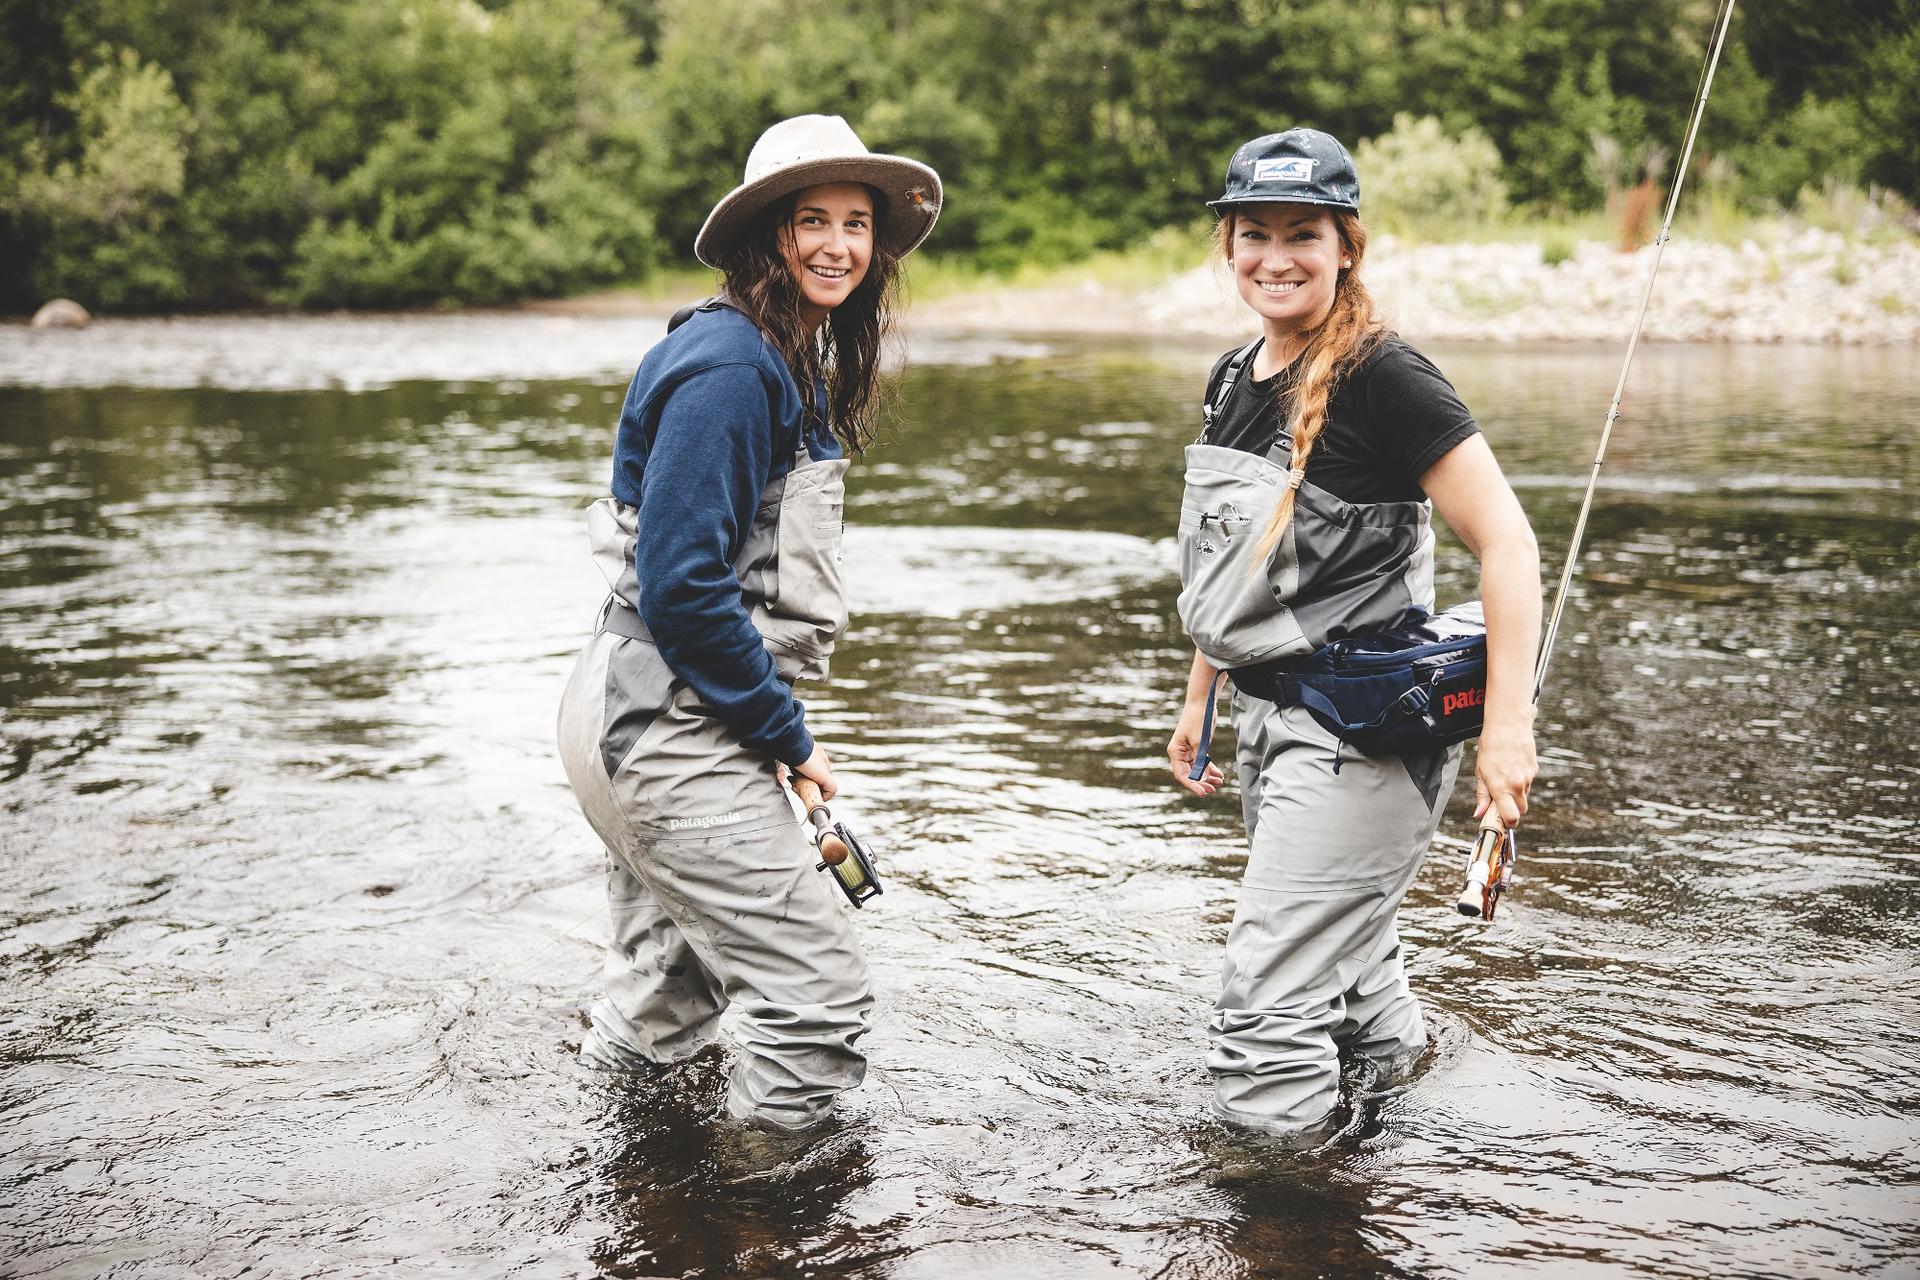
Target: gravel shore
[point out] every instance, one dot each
(1805, 286)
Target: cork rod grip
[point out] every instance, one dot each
(833, 850)
(809, 792)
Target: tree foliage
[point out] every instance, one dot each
(1417, 175)
(196, 153)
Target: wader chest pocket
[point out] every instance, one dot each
(808, 606)
(1230, 604)
(1217, 529)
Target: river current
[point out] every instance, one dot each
(299, 919)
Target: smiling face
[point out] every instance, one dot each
(827, 244)
(1286, 261)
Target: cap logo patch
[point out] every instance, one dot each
(1298, 169)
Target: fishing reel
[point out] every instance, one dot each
(853, 869)
(841, 851)
(1489, 872)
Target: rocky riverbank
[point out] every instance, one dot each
(1805, 285)
(1801, 286)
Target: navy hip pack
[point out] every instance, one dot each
(1413, 687)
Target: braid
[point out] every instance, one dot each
(1333, 350)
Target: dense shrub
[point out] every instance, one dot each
(507, 164)
(1418, 179)
(347, 152)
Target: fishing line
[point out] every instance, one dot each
(1721, 21)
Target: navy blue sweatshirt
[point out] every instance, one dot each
(712, 417)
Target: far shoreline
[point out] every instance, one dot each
(1807, 287)
(1804, 287)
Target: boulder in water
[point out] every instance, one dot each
(62, 313)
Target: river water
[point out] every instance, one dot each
(299, 920)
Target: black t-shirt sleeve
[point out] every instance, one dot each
(1410, 413)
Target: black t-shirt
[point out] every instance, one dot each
(1394, 416)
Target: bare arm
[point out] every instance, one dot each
(1185, 743)
(1474, 498)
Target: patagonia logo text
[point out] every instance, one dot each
(1299, 169)
(1465, 700)
(695, 824)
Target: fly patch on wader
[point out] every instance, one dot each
(1414, 687)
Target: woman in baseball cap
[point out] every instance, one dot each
(1326, 444)
(720, 543)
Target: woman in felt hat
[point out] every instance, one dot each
(1327, 444)
(720, 541)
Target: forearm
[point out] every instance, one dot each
(1200, 680)
(1510, 593)
(1188, 743)
(709, 642)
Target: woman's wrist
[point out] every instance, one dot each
(1507, 715)
(1196, 703)
(1506, 730)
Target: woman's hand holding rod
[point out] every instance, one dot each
(817, 768)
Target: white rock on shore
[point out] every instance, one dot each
(62, 313)
(1807, 286)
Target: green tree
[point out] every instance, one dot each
(193, 153)
(500, 158)
(105, 210)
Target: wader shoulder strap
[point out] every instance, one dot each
(1218, 395)
(692, 309)
(618, 618)
(1280, 452)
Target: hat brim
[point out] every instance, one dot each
(908, 219)
(1224, 203)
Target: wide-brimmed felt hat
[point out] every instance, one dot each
(1299, 166)
(807, 151)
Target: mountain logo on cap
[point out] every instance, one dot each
(1297, 169)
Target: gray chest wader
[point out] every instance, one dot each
(713, 893)
(1313, 959)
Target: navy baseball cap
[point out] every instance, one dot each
(1300, 166)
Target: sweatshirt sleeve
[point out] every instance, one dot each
(704, 474)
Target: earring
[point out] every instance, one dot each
(1346, 263)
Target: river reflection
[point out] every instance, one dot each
(299, 919)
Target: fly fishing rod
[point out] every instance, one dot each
(1490, 866)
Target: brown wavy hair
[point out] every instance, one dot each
(846, 350)
(1333, 350)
